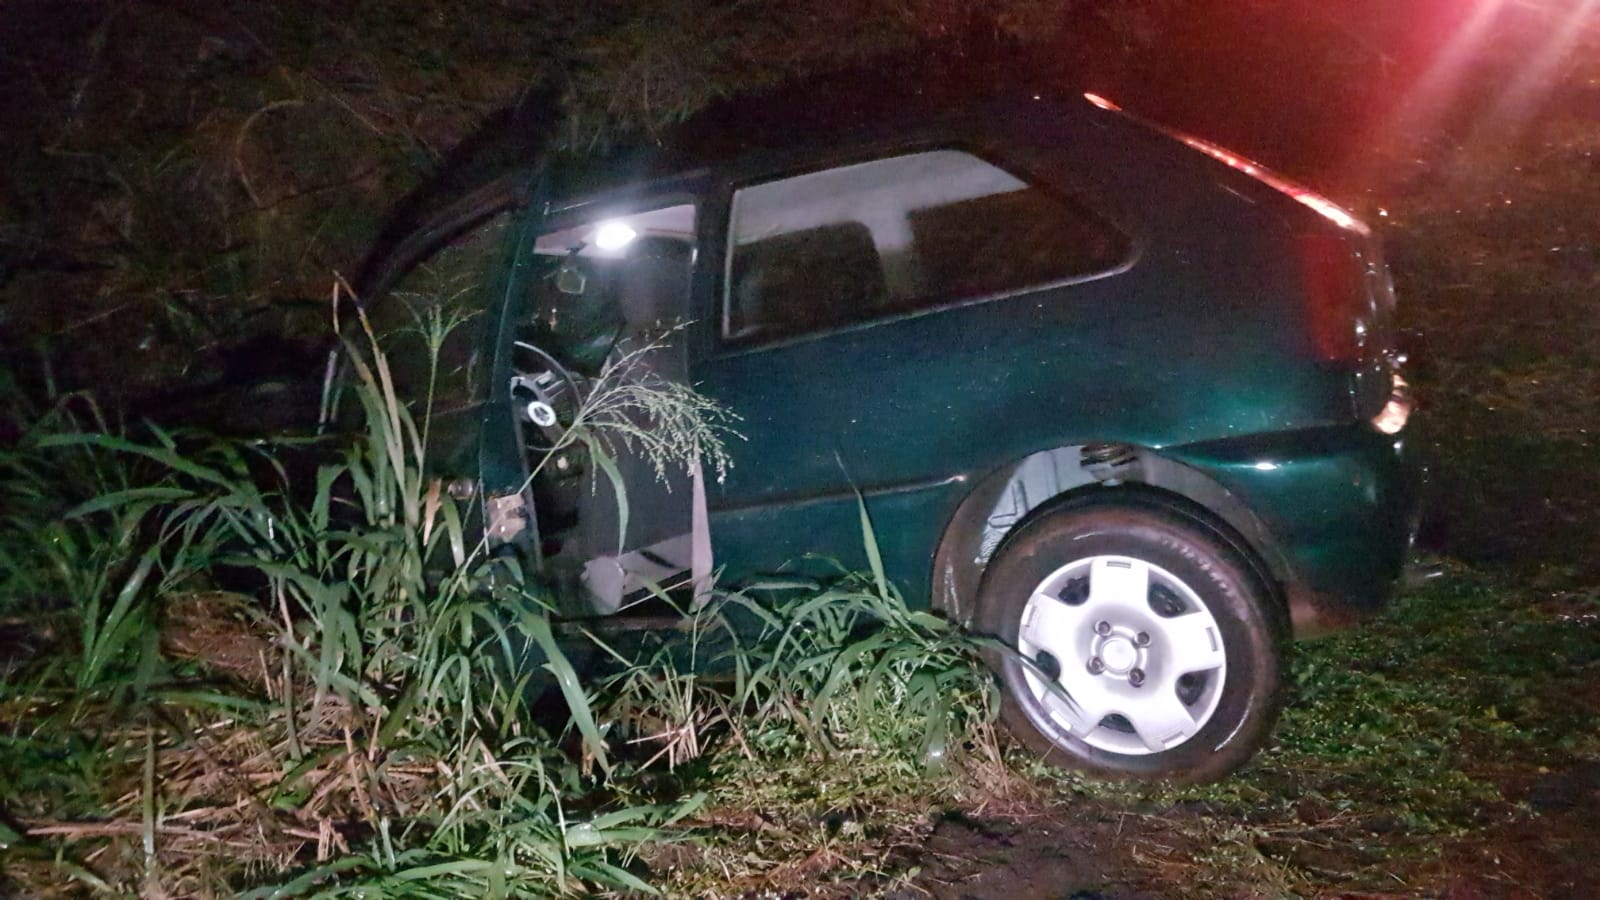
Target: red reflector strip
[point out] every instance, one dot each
(1324, 207)
(1328, 209)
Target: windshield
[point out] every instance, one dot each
(609, 278)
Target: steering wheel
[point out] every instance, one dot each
(545, 396)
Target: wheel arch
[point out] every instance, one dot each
(1093, 473)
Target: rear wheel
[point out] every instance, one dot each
(1145, 646)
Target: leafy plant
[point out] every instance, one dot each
(396, 728)
(842, 670)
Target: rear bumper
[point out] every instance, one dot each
(1339, 506)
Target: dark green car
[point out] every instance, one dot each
(1112, 394)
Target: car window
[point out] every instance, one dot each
(610, 279)
(894, 235)
(430, 325)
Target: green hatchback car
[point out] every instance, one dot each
(1121, 398)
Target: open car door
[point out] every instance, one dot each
(596, 353)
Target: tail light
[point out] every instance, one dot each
(1335, 293)
(1396, 411)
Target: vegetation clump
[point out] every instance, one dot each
(364, 717)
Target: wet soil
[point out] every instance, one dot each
(1555, 853)
(1109, 853)
(1029, 858)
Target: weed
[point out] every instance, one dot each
(394, 749)
(824, 719)
(368, 722)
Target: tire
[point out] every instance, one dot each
(1156, 652)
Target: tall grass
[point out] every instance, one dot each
(384, 742)
(843, 675)
(361, 719)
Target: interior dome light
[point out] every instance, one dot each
(613, 235)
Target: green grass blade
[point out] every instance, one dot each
(538, 626)
(869, 538)
(108, 640)
(118, 499)
(597, 452)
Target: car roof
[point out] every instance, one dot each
(808, 121)
(814, 120)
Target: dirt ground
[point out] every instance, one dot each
(1074, 852)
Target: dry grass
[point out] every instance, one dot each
(233, 792)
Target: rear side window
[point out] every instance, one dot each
(897, 235)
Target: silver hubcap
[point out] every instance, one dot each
(1126, 656)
